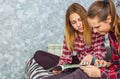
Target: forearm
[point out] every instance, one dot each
(111, 72)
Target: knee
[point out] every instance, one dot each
(39, 52)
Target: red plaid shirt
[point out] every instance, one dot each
(113, 72)
(97, 48)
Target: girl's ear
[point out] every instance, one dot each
(109, 19)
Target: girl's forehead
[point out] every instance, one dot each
(93, 20)
(74, 15)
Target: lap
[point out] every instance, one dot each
(78, 74)
(35, 71)
(59, 76)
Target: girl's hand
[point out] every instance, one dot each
(102, 63)
(86, 60)
(91, 71)
(56, 69)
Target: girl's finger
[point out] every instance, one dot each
(102, 62)
(97, 62)
(81, 62)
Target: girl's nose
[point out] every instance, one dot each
(78, 24)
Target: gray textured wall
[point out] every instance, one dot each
(27, 26)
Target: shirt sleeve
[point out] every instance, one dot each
(66, 57)
(99, 49)
(111, 73)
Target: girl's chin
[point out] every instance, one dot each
(81, 31)
(102, 33)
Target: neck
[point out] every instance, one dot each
(81, 35)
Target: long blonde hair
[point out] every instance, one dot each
(102, 9)
(70, 32)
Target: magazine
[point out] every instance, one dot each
(68, 66)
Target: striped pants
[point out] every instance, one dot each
(36, 68)
(35, 71)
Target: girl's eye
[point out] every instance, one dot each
(73, 22)
(79, 20)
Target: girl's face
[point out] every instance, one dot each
(76, 22)
(102, 27)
